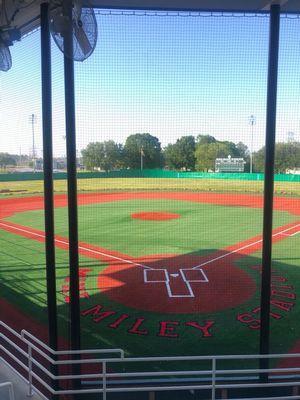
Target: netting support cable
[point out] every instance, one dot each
(48, 179)
(269, 185)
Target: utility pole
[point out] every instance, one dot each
(252, 122)
(32, 121)
(290, 137)
(142, 158)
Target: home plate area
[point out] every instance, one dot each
(176, 284)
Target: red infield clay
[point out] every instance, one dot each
(169, 284)
(165, 283)
(155, 216)
(10, 206)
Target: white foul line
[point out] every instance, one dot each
(145, 266)
(80, 247)
(244, 247)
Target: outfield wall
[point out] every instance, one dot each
(150, 173)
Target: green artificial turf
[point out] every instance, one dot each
(23, 284)
(201, 229)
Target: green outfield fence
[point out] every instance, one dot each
(149, 173)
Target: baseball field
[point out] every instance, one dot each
(167, 267)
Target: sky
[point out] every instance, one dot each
(169, 75)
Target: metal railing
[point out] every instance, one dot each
(38, 361)
(10, 387)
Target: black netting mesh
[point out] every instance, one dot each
(170, 119)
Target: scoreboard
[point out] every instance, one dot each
(229, 164)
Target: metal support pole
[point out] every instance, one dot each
(142, 159)
(269, 186)
(72, 190)
(33, 144)
(32, 121)
(48, 178)
(252, 121)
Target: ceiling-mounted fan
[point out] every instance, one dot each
(81, 24)
(7, 37)
(8, 33)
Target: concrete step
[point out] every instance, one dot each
(19, 386)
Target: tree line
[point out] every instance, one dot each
(11, 160)
(187, 153)
(142, 149)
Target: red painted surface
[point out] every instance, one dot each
(10, 206)
(155, 215)
(228, 285)
(123, 277)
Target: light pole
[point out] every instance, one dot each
(32, 120)
(142, 159)
(252, 122)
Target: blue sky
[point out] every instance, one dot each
(167, 75)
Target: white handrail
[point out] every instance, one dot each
(69, 352)
(111, 382)
(10, 387)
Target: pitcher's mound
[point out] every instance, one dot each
(155, 216)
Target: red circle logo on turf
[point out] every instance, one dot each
(176, 284)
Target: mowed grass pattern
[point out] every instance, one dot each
(201, 228)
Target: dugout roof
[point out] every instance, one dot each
(27, 18)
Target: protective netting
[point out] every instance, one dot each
(169, 264)
(181, 273)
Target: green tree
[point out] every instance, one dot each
(145, 145)
(7, 159)
(105, 155)
(181, 155)
(242, 150)
(209, 149)
(207, 153)
(259, 160)
(205, 139)
(113, 156)
(287, 156)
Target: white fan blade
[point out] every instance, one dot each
(5, 58)
(82, 39)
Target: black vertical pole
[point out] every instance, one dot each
(72, 184)
(269, 185)
(48, 177)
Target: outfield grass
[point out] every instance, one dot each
(140, 184)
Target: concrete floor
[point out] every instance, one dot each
(19, 386)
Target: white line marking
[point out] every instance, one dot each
(154, 269)
(291, 234)
(181, 274)
(294, 234)
(145, 266)
(80, 247)
(243, 247)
